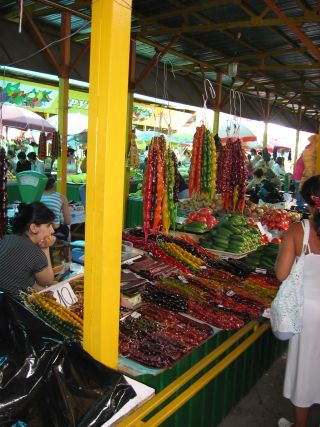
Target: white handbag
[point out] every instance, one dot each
(287, 307)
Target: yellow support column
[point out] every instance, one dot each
(267, 118)
(109, 63)
(63, 130)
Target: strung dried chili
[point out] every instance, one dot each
(147, 196)
(3, 193)
(42, 149)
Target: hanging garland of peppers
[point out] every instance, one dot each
(231, 175)
(161, 187)
(202, 177)
(3, 192)
(42, 150)
(55, 146)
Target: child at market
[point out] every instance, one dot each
(24, 255)
(302, 377)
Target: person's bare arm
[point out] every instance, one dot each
(46, 276)
(287, 252)
(66, 210)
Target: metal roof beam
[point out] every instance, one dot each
(186, 10)
(62, 8)
(291, 67)
(268, 53)
(41, 41)
(154, 61)
(291, 23)
(254, 21)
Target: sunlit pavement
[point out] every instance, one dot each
(264, 404)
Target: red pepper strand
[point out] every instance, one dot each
(157, 214)
(147, 196)
(154, 181)
(42, 149)
(199, 161)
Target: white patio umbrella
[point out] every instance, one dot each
(77, 123)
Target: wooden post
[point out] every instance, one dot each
(63, 101)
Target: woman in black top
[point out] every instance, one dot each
(23, 164)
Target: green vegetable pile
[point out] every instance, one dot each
(232, 234)
(264, 257)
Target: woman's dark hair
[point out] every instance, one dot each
(33, 213)
(311, 187)
(258, 173)
(253, 151)
(50, 183)
(22, 155)
(266, 155)
(70, 150)
(279, 161)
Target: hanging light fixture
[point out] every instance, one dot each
(232, 69)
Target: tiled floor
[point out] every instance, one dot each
(264, 404)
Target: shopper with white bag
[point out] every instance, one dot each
(302, 377)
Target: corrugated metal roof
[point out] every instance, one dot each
(212, 34)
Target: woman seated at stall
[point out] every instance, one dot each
(273, 178)
(24, 255)
(60, 207)
(256, 180)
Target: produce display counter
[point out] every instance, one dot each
(216, 399)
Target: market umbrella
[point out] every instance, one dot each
(229, 129)
(77, 123)
(21, 118)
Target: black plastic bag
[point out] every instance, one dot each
(46, 382)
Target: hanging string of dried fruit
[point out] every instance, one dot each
(55, 145)
(202, 177)
(206, 164)
(213, 171)
(42, 149)
(231, 175)
(3, 193)
(161, 187)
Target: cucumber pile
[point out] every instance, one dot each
(232, 234)
(264, 257)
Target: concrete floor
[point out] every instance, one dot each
(264, 404)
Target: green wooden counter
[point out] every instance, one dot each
(134, 212)
(211, 404)
(72, 192)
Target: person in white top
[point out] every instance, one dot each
(302, 377)
(278, 167)
(36, 164)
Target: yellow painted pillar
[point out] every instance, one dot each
(266, 121)
(63, 130)
(132, 79)
(109, 63)
(217, 107)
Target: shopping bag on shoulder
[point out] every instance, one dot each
(287, 307)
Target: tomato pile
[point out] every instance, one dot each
(204, 216)
(276, 219)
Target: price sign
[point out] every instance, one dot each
(63, 294)
(29, 180)
(261, 229)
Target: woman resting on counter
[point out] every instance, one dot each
(24, 255)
